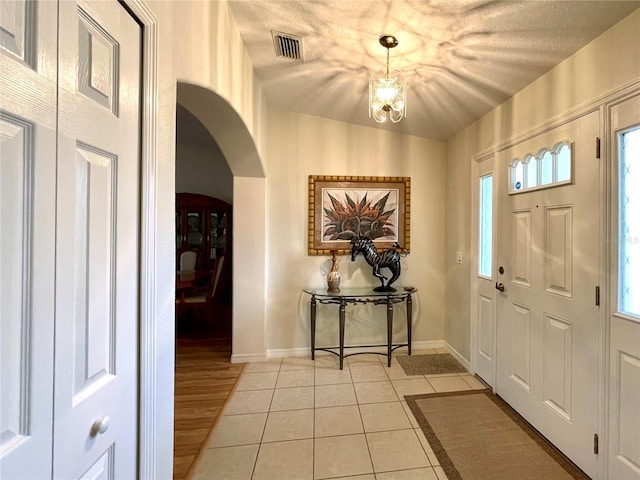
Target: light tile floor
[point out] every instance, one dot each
(298, 419)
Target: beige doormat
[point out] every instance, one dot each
(433, 364)
(477, 436)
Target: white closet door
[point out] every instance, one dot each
(27, 235)
(96, 357)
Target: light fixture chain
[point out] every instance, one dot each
(387, 76)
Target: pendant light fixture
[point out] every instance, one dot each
(387, 97)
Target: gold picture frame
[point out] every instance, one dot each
(344, 207)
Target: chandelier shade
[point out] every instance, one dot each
(387, 92)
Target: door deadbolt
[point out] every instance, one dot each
(501, 270)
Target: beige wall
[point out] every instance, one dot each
(609, 62)
(302, 145)
(209, 52)
(290, 149)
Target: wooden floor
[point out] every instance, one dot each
(204, 378)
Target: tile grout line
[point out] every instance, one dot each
(366, 439)
(266, 420)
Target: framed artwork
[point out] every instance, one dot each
(342, 208)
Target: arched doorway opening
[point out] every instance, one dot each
(237, 146)
(204, 224)
(215, 153)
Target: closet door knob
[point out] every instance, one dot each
(100, 426)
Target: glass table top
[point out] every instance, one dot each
(360, 292)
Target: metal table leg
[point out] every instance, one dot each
(409, 315)
(342, 315)
(389, 330)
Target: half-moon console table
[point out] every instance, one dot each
(356, 296)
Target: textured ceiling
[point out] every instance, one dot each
(461, 58)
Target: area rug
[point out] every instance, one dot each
(476, 436)
(433, 364)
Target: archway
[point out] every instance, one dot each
(238, 147)
(225, 126)
(212, 141)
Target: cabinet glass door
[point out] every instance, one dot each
(195, 230)
(218, 224)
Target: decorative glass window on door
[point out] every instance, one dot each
(563, 163)
(550, 167)
(531, 175)
(517, 175)
(485, 247)
(629, 223)
(546, 167)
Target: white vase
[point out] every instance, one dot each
(333, 277)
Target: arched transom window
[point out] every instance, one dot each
(550, 167)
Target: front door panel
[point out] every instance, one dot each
(548, 346)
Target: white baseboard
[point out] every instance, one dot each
(248, 357)
(465, 363)
(289, 352)
(305, 352)
(415, 346)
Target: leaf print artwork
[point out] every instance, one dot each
(342, 208)
(357, 213)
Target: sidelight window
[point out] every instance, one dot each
(485, 247)
(629, 223)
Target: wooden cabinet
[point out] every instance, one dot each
(203, 224)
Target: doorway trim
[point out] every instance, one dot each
(155, 404)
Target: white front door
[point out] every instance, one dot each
(95, 417)
(548, 350)
(27, 235)
(484, 348)
(624, 351)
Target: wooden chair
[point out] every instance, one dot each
(201, 303)
(188, 260)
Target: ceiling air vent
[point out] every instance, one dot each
(287, 46)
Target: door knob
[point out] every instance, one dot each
(100, 426)
(499, 286)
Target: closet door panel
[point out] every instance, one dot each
(28, 57)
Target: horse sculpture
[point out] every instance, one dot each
(387, 259)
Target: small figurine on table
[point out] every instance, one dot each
(386, 259)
